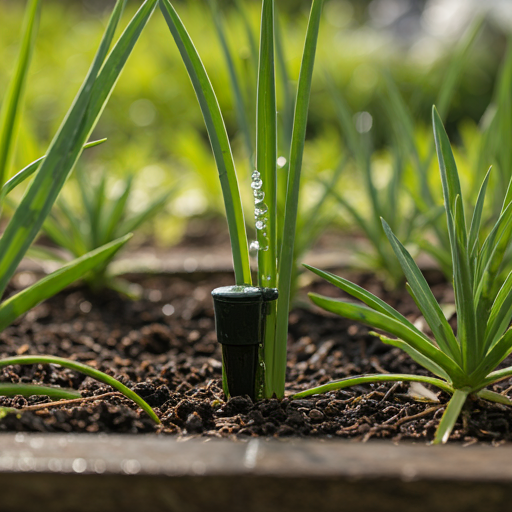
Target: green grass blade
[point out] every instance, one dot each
(496, 354)
(117, 212)
(62, 155)
(20, 303)
(218, 139)
(370, 379)
(450, 416)
(287, 109)
(12, 102)
(378, 320)
(86, 370)
(78, 237)
(477, 217)
(368, 298)
(266, 150)
(469, 332)
(266, 166)
(424, 361)
(251, 39)
(26, 390)
(292, 191)
(30, 169)
(496, 376)
(61, 237)
(240, 110)
(424, 298)
(447, 166)
(492, 396)
(501, 314)
(132, 223)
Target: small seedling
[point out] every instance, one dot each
(96, 219)
(464, 363)
(50, 174)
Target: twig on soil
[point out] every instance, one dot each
(61, 403)
(422, 414)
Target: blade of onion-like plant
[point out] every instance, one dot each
(11, 106)
(266, 181)
(240, 111)
(378, 320)
(218, 139)
(501, 349)
(30, 169)
(424, 298)
(477, 218)
(450, 416)
(365, 296)
(67, 145)
(18, 304)
(266, 151)
(8, 389)
(86, 370)
(415, 355)
(292, 193)
(500, 315)
(370, 379)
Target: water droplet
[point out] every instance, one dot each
(268, 278)
(259, 195)
(260, 210)
(281, 162)
(255, 175)
(260, 224)
(255, 246)
(257, 184)
(265, 233)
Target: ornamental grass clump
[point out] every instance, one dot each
(50, 173)
(464, 362)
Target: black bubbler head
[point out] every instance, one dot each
(240, 313)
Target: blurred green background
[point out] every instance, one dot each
(153, 122)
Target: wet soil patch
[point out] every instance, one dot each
(164, 348)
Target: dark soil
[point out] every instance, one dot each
(164, 347)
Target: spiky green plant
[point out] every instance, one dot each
(93, 220)
(50, 174)
(275, 243)
(464, 363)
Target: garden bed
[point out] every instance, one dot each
(164, 347)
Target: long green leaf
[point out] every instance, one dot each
(365, 296)
(30, 169)
(477, 217)
(67, 145)
(370, 379)
(501, 314)
(266, 151)
(421, 359)
(450, 416)
(18, 304)
(12, 102)
(424, 298)
(496, 354)
(292, 192)
(378, 320)
(8, 389)
(86, 370)
(218, 139)
(240, 110)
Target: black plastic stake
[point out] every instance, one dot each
(240, 313)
